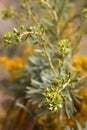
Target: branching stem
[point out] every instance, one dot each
(27, 33)
(64, 86)
(45, 49)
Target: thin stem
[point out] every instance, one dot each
(27, 33)
(54, 49)
(75, 46)
(64, 86)
(45, 48)
(49, 59)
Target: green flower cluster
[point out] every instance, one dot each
(8, 13)
(54, 100)
(64, 47)
(12, 38)
(59, 91)
(54, 94)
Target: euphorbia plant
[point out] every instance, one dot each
(49, 82)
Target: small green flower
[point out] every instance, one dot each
(8, 13)
(64, 47)
(12, 38)
(54, 100)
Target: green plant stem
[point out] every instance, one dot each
(27, 33)
(46, 51)
(54, 49)
(49, 59)
(64, 86)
